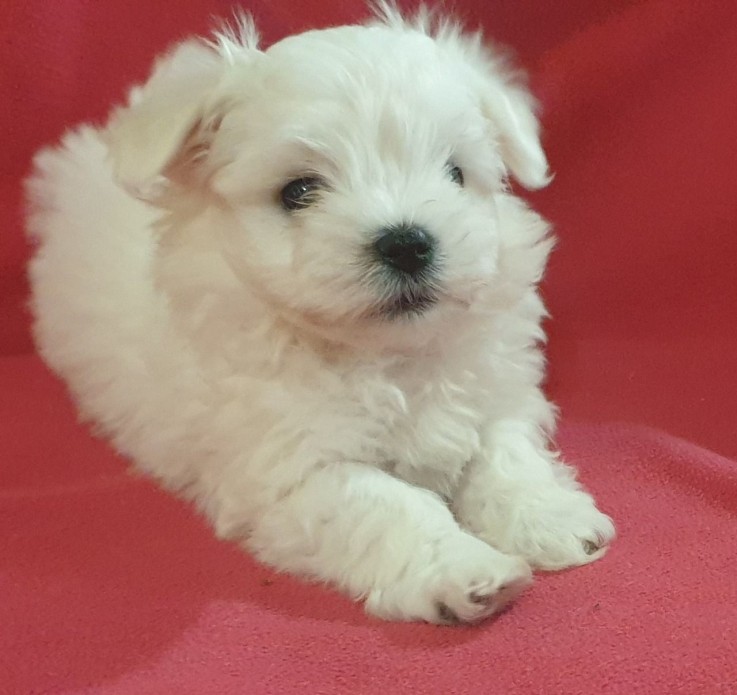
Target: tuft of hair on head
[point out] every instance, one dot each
(431, 21)
(230, 38)
(387, 13)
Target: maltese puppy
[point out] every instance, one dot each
(294, 286)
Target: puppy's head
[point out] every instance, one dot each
(356, 171)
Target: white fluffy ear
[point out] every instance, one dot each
(508, 106)
(511, 110)
(175, 113)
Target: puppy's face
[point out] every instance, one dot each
(355, 171)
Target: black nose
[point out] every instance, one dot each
(405, 247)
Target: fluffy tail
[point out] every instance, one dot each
(100, 321)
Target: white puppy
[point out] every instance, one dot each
(293, 285)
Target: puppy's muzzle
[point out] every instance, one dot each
(406, 248)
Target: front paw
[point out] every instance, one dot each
(556, 529)
(466, 582)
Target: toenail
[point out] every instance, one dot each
(446, 614)
(589, 547)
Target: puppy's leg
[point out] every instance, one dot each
(384, 540)
(518, 497)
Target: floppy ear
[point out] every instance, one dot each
(505, 102)
(169, 122)
(507, 105)
(511, 110)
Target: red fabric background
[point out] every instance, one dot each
(109, 586)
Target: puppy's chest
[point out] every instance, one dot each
(430, 441)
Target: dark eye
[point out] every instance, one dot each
(456, 174)
(300, 193)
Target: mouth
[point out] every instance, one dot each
(406, 304)
(401, 297)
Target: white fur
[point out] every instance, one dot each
(228, 346)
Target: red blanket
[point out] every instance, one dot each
(108, 585)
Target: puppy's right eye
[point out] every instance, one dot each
(300, 193)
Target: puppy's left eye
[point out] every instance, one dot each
(456, 174)
(300, 193)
